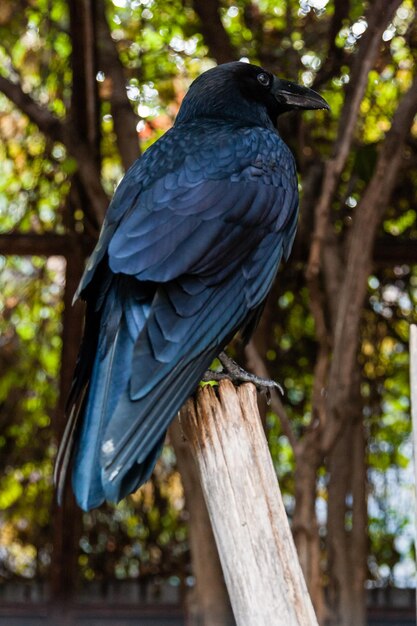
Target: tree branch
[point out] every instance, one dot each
(388, 250)
(335, 56)
(124, 118)
(257, 365)
(85, 106)
(45, 244)
(66, 133)
(214, 33)
(378, 16)
(50, 125)
(358, 265)
(89, 174)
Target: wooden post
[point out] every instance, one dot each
(254, 540)
(413, 393)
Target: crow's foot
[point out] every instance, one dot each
(237, 374)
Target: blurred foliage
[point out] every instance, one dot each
(162, 49)
(144, 536)
(30, 360)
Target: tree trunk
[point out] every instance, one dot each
(85, 114)
(208, 603)
(305, 527)
(124, 118)
(346, 523)
(67, 518)
(340, 590)
(359, 536)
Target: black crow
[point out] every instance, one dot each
(187, 254)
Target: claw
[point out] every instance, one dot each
(237, 374)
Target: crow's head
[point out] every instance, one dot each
(245, 92)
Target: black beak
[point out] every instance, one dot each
(293, 96)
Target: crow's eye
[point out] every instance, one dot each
(264, 79)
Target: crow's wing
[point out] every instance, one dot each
(215, 245)
(176, 191)
(208, 235)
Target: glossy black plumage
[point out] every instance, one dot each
(187, 255)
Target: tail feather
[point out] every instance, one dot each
(65, 451)
(116, 432)
(136, 476)
(156, 410)
(109, 377)
(76, 401)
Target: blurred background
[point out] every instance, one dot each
(85, 87)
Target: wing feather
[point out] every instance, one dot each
(195, 251)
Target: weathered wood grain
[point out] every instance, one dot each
(256, 549)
